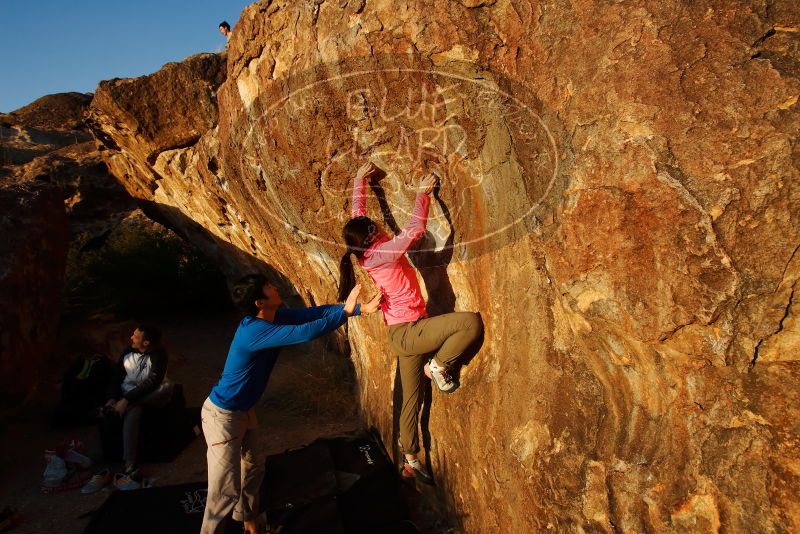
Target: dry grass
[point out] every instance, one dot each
(315, 380)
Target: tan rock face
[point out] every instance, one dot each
(619, 201)
(144, 126)
(48, 141)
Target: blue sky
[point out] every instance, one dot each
(55, 46)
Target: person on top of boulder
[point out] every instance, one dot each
(412, 334)
(228, 414)
(225, 29)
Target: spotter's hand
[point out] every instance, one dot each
(352, 300)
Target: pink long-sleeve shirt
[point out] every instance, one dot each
(386, 263)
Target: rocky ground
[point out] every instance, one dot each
(291, 414)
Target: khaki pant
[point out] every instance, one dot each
(448, 335)
(234, 471)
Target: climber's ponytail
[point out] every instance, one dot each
(358, 233)
(347, 275)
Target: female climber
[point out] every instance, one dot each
(412, 334)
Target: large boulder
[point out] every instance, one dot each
(53, 185)
(138, 120)
(46, 124)
(33, 253)
(95, 201)
(49, 140)
(57, 112)
(619, 201)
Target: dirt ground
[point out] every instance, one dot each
(308, 396)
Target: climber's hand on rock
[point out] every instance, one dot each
(373, 305)
(427, 184)
(352, 300)
(368, 171)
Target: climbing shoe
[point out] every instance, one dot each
(97, 482)
(415, 471)
(441, 377)
(125, 482)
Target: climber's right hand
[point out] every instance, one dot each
(427, 183)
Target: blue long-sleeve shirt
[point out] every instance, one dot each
(256, 345)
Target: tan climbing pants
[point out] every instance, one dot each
(448, 336)
(234, 471)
